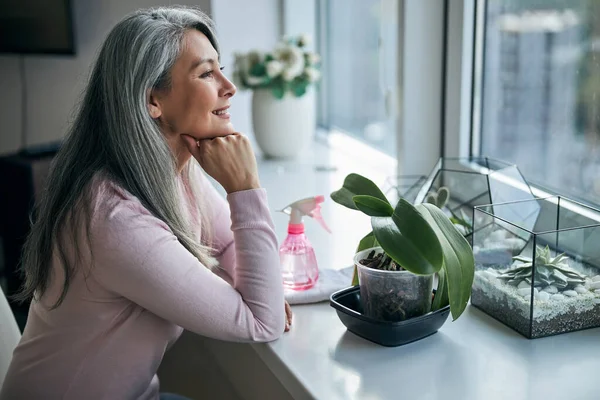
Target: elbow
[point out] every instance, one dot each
(269, 332)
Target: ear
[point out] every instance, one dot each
(154, 108)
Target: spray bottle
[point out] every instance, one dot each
(298, 262)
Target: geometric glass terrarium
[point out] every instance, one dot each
(551, 283)
(470, 182)
(403, 186)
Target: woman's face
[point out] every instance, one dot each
(198, 99)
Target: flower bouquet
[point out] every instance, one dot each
(290, 67)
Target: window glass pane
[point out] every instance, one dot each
(541, 92)
(361, 44)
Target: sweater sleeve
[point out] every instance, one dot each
(138, 257)
(218, 209)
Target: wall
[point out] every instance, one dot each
(242, 26)
(55, 83)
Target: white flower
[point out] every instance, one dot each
(292, 59)
(238, 59)
(313, 58)
(254, 80)
(313, 74)
(252, 58)
(274, 68)
(304, 40)
(288, 75)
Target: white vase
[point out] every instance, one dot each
(283, 128)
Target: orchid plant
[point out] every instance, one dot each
(289, 68)
(420, 238)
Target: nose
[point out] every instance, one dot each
(228, 89)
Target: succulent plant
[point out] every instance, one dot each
(439, 199)
(548, 271)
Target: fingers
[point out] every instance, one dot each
(229, 159)
(288, 317)
(190, 142)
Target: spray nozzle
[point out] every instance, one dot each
(310, 206)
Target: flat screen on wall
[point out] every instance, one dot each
(36, 27)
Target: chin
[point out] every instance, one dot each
(229, 129)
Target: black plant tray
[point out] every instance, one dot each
(349, 309)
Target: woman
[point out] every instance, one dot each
(131, 245)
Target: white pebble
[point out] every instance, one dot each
(557, 297)
(596, 278)
(523, 284)
(551, 289)
(488, 275)
(514, 243)
(525, 292)
(543, 296)
(498, 235)
(580, 289)
(597, 291)
(570, 293)
(597, 301)
(595, 285)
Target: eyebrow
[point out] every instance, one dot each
(199, 61)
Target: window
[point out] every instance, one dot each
(541, 92)
(358, 43)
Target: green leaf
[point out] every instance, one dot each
(440, 300)
(258, 69)
(299, 87)
(278, 91)
(355, 185)
(367, 242)
(373, 206)
(415, 227)
(400, 247)
(459, 264)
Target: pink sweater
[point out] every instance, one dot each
(108, 337)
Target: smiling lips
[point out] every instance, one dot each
(222, 112)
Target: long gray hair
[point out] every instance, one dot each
(113, 133)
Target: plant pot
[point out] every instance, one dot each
(347, 303)
(392, 295)
(283, 128)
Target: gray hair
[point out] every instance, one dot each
(113, 133)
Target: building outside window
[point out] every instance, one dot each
(541, 92)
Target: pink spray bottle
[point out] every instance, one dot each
(299, 266)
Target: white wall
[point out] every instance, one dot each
(243, 25)
(55, 83)
(422, 58)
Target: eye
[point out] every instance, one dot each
(210, 73)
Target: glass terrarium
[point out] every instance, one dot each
(537, 265)
(405, 186)
(456, 185)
